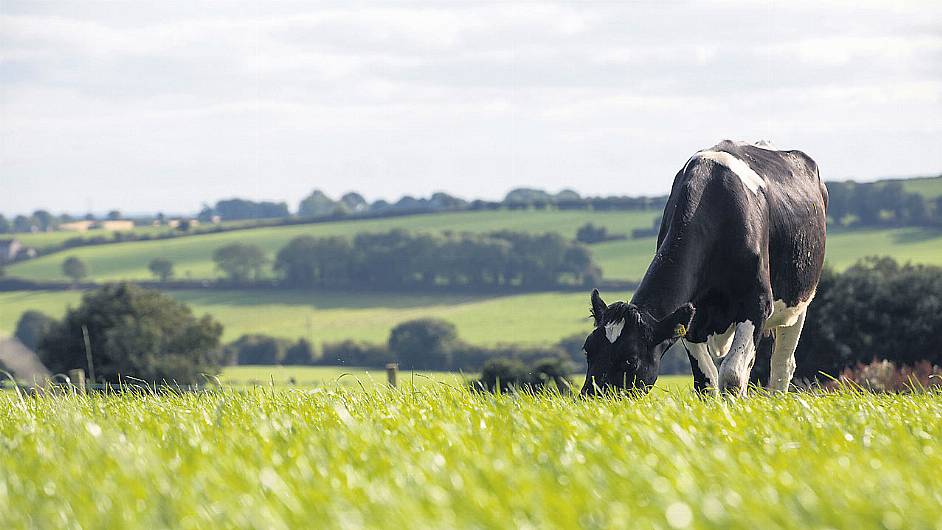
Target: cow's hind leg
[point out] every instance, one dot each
(783, 354)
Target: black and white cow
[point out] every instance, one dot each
(739, 252)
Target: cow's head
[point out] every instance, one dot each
(624, 350)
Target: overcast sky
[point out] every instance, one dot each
(151, 106)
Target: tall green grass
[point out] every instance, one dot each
(438, 457)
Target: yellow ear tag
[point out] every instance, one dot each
(680, 330)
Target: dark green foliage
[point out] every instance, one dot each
(589, 233)
(74, 269)
(238, 209)
(876, 309)
(162, 268)
(240, 262)
(134, 332)
(258, 349)
(317, 204)
(508, 373)
(353, 353)
(31, 328)
(880, 204)
(5, 226)
(397, 259)
(300, 353)
(423, 344)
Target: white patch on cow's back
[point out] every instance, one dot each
(749, 178)
(613, 330)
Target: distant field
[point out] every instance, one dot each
(620, 260)
(42, 240)
(540, 318)
(928, 187)
(192, 256)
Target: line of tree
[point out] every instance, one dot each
(399, 258)
(880, 204)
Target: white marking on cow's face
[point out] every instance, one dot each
(613, 330)
(749, 178)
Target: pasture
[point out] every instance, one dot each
(437, 457)
(333, 316)
(620, 260)
(311, 376)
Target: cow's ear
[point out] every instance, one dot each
(598, 307)
(674, 325)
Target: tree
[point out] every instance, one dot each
(114, 215)
(299, 353)
(316, 205)
(240, 262)
(234, 209)
(258, 349)
(74, 269)
(21, 223)
(162, 268)
(31, 328)
(134, 332)
(45, 221)
(425, 343)
(5, 226)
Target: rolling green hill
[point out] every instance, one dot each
(192, 255)
(539, 318)
(928, 187)
(623, 260)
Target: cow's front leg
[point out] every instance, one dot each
(736, 366)
(701, 363)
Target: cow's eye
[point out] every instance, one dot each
(585, 353)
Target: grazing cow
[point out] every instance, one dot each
(739, 252)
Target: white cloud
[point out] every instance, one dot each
(270, 100)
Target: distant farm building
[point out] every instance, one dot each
(117, 225)
(77, 226)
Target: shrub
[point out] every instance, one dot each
(258, 349)
(352, 353)
(162, 268)
(134, 332)
(31, 328)
(885, 376)
(423, 344)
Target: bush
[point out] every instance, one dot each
(258, 349)
(507, 373)
(300, 353)
(134, 332)
(423, 344)
(32, 327)
(240, 262)
(352, 353)
(884, 376)
(877, 309)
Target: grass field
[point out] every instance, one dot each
(307, 376)
(623, 260)
(444, 458)
(539, 318)
(192, 256)
(928, 187)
